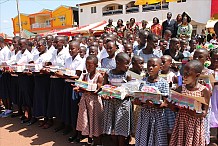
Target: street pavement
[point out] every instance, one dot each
(13, 133)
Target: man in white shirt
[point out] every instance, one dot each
(5, 52)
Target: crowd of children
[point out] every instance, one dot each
(167, 64)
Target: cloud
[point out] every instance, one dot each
(5, 21)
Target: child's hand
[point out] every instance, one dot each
(59, 74)
(202, 82)
(164, 104)
(76, 88)
(105, 97)
(136, 101)
(149, 103)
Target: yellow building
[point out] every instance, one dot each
(47, 20)
(25, 23)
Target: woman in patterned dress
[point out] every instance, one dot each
(189, 126)
(133, 27)
(117, 112)
(90, 114)
(120, 28)
(152, 126)
(156, 28)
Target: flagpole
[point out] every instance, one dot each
(161, 8)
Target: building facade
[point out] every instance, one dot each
(47, 20)
(94, 11)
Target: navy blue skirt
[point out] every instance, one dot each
(55, 99)
(41, 94)
(14, 94)
(26, 89)
(5, 85)
(70, 106)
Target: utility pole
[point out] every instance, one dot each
(19, 19)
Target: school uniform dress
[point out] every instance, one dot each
(117, 113)
(57, 85)
(5, 55)
(41, 88)
(189, 130)
(14, 87)
(109, 63)
(146, 57)
(25, 82)
(152, 125)
(90, 116)
(51, 50)
(70, 98)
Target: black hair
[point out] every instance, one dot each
(174, 40)
(16, 38)
(93, 46)
(83, 47)
(132, 19)
(135, 57)
(156, 58)
(49, 37)
(151, 37)
(30, 44)
(75, 42)
(162, 40)
(120, 20)
(203, 50)
(157, 19)
(122, 56)
(143, 33)
(213, 35)
(195, 65)
(42, 41)
(167, 31)
(92, 57)
(23, 40)
(214, 51)
(192, 40)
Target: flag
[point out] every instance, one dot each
(143, 2)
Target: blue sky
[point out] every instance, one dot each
(8, 10)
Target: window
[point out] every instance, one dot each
(179, 1)
(62, 18)
(48, 22)
(81, 10)
(93, 9)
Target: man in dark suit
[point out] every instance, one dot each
(169, 24)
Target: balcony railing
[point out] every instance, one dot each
(112, 12)
(155, 7)
(40, 25)
(132, 10)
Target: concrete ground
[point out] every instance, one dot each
(12, 133)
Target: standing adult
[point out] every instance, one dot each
(169, 24)
(133, 27)
(120, 28)
(109, 28)
(185, 29)
(144, 26)
(156, 28)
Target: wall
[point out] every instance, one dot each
(62, 11)
(199, 10)
(25, 21)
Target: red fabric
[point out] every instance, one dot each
(214, 8)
